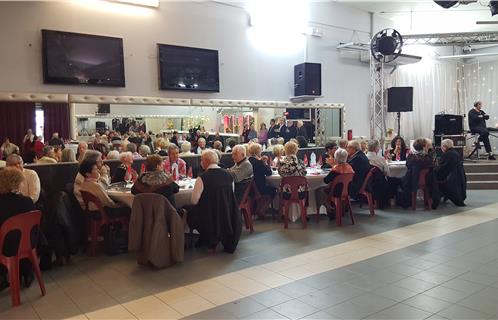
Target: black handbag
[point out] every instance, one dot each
(115, 239)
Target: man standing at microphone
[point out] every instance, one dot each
(477, 124)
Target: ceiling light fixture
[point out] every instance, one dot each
(143, 3)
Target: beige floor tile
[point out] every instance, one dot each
(277, 266)
(151, 308)
(112, 312)
(24, 311)
(297, 273)
(206, 286)
(191, 305)
(177, 294)
(56, 307)
(222, 296)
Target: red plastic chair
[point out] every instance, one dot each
(344, 179)
(246, 206)
(27, 250)
(422, 185)
(294, 183)
(368, 195)
(97, 224)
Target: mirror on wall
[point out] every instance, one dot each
(92, 118)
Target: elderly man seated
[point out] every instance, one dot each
(359, 161)
(30, 187)
(379, 185)
(214, 212)
(451, 175)
(373, 157)
(241, 171)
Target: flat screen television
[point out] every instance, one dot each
(189, 69)
(82, 59)
(298, 114)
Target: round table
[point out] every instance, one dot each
(182, 198)
(397, 169)
(315, 180)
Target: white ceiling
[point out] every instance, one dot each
(426, 16)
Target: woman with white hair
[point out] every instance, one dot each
(113, 155)
(341, 167)
(186, 149)
(125, 172)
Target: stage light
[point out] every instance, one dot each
(446, 4)
(493, 6)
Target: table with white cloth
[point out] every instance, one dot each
(123, 194)
(397, 169)
(315, 180)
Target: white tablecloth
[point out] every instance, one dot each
(315, 180)
(397, 169)
(182, 198)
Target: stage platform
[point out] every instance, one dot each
(482, 174)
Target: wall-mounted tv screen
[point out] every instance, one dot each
(298, 114)
(82, 59)
(186, 68)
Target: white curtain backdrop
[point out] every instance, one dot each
(435, 89)
(450, 87)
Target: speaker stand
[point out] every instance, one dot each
(399, 123)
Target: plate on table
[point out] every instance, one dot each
(186, 184)
(120, 186)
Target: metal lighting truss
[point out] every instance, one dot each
(452, 39)
(378, 108)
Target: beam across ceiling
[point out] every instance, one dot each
(452, 39)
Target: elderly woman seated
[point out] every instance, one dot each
(90, 172)
(291, 166)
(339, 166)
(125, 172)
(185, 148)
(155, 180)
(278, 154)
(173, 162)
(13, 203)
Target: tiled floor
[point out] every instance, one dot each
(397, 265)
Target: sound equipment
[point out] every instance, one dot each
(400, 99)
(308, 79)
(104, 108)
(100, 126)
(449, 124)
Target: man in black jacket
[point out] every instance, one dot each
(359, 161)
(477, 124)
(451, 175)
(273, 130)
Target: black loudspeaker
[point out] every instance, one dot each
(400, 99)
(308, 79)
(448, 124)
(104, 108)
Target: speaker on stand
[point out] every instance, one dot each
(399, 99)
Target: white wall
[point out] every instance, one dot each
(246, 71)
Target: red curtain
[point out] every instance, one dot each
(56, 120)
(15, 119)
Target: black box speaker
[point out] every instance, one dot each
(448, 124)
(104, 108)
(308, 79)
(400, 99)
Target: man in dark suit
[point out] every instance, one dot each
(451, 175)
(359, 161)
(477, 124)
(288, 131)
(273, 130)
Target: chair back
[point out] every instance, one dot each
(344, 179)
(294, 183)
(90, 198)
(369, 176)
(422, 178)
(28, 224)
(250, 189)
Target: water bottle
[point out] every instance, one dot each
(313, 160)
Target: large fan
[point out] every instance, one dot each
(386, 45)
